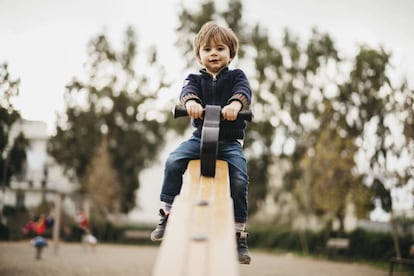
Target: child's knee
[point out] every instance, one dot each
(174, 166)
(171, 163)
(239, 181)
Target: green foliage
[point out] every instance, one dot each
(16, 218)
(409, 121)
(118, 102)
(105, 231)
(328, 174)
(18, 156)
(281, 239)
(4, 232)
(364, 245)
(10, 211)
(376, 246)
(319, 50)
(12, 156)
(190, 23)
(9, 88)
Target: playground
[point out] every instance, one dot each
(199, 240)
(18, 259)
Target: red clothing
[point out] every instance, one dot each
(41, 227)
(82, 221)
(37, 227)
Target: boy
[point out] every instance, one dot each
(214, 47)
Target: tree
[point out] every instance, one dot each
(12, 149)
(327, 174)
(407, 112)
(115, 101)
(101, 181)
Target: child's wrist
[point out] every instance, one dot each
(190, 102)
(236, 104)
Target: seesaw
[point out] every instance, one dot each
(200, 235)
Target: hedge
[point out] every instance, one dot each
(363, 245)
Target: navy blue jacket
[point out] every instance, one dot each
(229, 85)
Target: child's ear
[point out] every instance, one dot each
(199, 59)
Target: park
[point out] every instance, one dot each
(297, 158)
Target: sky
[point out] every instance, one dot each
(44, 41)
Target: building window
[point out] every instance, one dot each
(20, 196)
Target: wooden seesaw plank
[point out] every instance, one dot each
(224, 243)
(200, 236)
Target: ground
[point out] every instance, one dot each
(18, 259)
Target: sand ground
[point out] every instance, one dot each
(18, 259)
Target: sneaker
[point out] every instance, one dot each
(242, 249)
(158, 232)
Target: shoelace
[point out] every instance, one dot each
(164, 217)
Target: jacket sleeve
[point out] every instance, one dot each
(241, 89)
(191, 90)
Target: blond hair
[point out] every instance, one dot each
(211, 31)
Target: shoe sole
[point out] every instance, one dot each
(156, 239)
(245, 261)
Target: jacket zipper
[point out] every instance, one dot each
(214, 89)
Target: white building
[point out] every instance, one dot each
(41, 173)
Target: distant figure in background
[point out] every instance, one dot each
(87, 239)
(83, 222)
(36, 228)
(39, 243)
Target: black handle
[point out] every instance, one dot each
(180, 111)
(246, 115)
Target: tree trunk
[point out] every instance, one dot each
(341, 219)
(395, 239)
(303, 241)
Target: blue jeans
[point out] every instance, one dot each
(230, 151)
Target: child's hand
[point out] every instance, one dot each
(231, 110)
(194, 109)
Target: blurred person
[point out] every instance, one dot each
(88, 240)
(37, 226)
(30, 228)
(83, 222)
(39, 242)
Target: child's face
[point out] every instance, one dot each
(214, 55)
